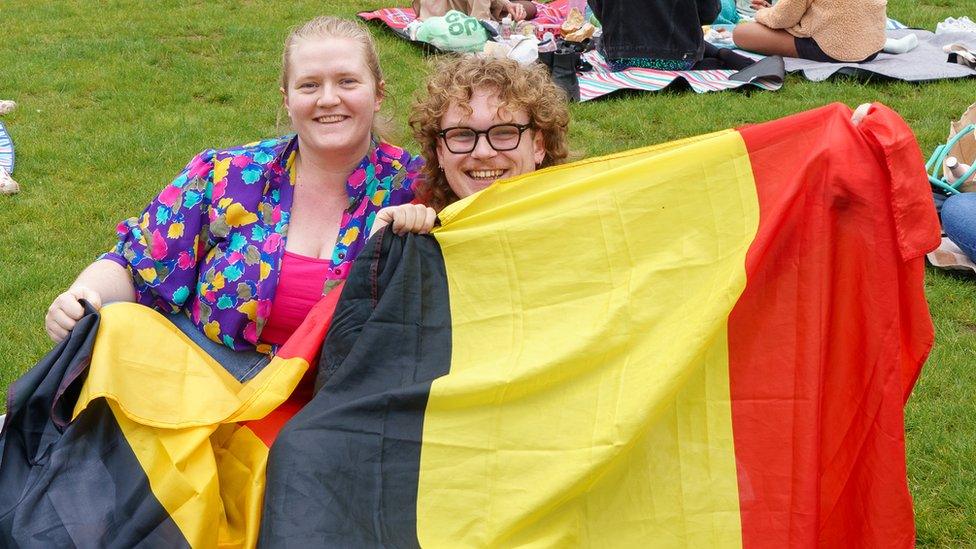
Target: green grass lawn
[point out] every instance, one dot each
(116, 96)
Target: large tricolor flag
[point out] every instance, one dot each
(707, 343)
(704, 343)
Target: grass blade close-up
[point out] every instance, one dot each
(114, 97)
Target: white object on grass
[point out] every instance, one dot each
(904, 44)
(964, 56)
(7, 183)
(719, 37)
(952, 24)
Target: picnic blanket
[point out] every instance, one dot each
(716, 368)
(6, 150)
(601, 80)
(926, 62)
(548, 17)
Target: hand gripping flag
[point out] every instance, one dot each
(707, 343)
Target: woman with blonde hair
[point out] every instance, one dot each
(246, 239)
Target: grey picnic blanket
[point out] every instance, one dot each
(926, 62)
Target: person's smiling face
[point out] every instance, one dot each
(331, 96)
(468, 173)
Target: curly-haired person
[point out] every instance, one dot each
(480, 120)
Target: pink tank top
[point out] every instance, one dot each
(300, 283)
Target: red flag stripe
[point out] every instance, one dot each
(834, 285)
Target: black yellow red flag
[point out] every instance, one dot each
(703, 343)
(707, 343)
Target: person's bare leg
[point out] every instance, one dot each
(762, 39)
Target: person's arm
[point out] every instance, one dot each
(155, 259)
(783, 14)
(500, 8)
(101, 282)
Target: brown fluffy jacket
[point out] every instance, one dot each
(847, 30)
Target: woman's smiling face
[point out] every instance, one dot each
(331, 96)
(468, 173)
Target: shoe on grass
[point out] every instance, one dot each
(7, 183)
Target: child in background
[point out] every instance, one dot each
(830, 31)
(656, 34)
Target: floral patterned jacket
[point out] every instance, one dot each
(212, 241)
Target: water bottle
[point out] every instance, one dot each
(506, 28)
(955, 168)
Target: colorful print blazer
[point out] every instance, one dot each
(213, 239)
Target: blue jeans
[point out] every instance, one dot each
(959, 221)
(243, 365)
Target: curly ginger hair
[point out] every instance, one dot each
(454, 80)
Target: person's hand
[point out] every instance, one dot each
(517, 11)
(860, 112)
(65, 311)
(760, 4)
(406, 218)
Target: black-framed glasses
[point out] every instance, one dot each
(501, 137)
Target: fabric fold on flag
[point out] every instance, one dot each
(129, 434)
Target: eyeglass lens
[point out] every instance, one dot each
(504, 137)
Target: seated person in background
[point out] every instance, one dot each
(481, 9)
(830, 31)
(959, 221)
(481, 120)
(654, 34)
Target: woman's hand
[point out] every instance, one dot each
(66, 311)
(406, 218)
(104, 281)
(760, 4)
(516, 10)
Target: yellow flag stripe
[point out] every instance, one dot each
(179, 412)
(161, 378)
(588, 399)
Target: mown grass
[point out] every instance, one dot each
(116, 95)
